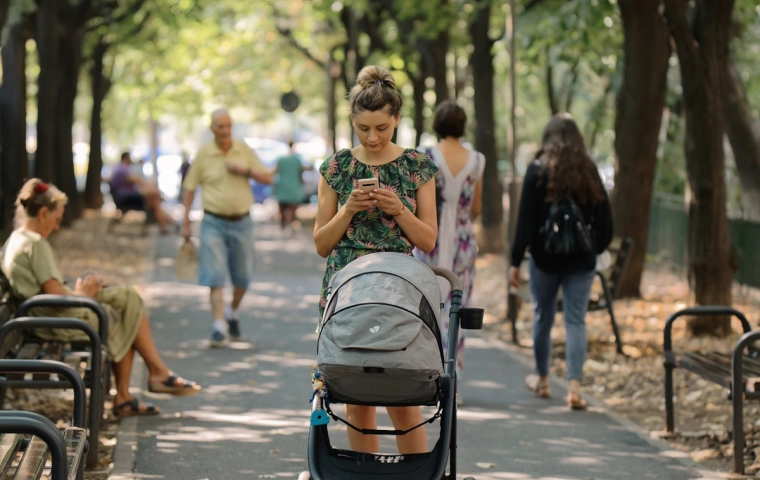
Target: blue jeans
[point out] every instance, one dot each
(225, 246)
(576, 288)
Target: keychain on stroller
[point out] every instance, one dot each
(319, 392)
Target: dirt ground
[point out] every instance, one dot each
(632, 385)
(120, 258)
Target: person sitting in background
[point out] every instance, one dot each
(288, 186)
(27, 261)
(131, 191)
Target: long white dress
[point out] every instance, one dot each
(455, 248)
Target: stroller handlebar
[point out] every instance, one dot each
(456, 284)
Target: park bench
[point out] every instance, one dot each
(89, 359)
(65, 447)
(609, 278)
(736, 370)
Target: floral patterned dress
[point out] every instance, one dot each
(372, 230)
(455, 248)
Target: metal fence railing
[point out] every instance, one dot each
(668, 232)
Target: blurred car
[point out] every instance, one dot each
(268, 151)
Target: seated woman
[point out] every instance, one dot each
(27, 260)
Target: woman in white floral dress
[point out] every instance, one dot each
(459, 185)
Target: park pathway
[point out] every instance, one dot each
(251, 420)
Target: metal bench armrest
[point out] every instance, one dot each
(63, 301)
(51, 366)
(41, 427)
(699, 311)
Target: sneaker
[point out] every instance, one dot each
(234, 330)
(218, 339)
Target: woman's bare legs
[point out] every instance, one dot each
(362, 417)
(404, 418)
(143, 344)
(122, 371)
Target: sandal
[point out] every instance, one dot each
(172, 387)
(534, 384)
(131, 408)
(576, 402)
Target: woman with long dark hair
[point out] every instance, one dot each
(563, 197)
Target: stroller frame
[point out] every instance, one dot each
(329, 463)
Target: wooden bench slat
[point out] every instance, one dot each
(76, 439)
(695, 365)
(32, 464)
(9, 444)
(29, 351)
(51, 351)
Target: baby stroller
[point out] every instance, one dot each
(380, 344)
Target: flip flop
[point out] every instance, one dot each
(575, 402)
(533, 384)
(131, 408)
(171, 387)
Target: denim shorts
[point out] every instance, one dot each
(226, 246)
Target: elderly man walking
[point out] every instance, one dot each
(222, 169)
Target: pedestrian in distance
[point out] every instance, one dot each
(564, 220)
(288, 186)
(459, 189)
(223, 168)
(28, 262)
(396, 214)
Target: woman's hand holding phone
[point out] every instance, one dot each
(360, 199)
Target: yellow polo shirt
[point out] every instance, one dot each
(222, 192)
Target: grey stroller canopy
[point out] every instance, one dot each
(379, 340)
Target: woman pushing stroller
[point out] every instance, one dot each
(356, 216)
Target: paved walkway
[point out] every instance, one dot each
(251, 420)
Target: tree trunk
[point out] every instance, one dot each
(492, 236)
(93, 196)
(439, 49)
(71, 40)
(702, 52)
(640, 104)
(743, 131)
(551, 95)
(418, 82)
(333, 71)
(14, 167)
(47, 91)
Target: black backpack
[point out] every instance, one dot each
(565, 232)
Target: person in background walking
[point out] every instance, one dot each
(222, 169)
(395, 217)
(562, 169)
(459, 187)
(288, 186)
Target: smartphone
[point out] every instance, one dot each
(367, 184)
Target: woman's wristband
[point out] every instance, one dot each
(403, 207)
